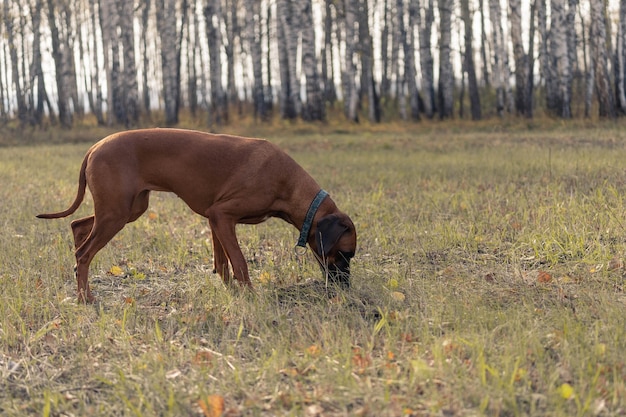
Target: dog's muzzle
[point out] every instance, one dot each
(339, 271)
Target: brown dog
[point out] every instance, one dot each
(227, 179)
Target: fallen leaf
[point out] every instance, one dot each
(313, 350)
(544, 277)
(212, 405)
(153, 216)
(566, 391)
(116, 271)
(398, 296)
(393, 283)
(203, 357)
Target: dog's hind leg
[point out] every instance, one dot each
(111, 217)
(81, 228)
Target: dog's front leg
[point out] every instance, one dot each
(220, 260)
(223, 227)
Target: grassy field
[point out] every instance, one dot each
(489, 280)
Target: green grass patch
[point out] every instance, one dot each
(489, 280)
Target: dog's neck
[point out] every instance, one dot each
(305, 230)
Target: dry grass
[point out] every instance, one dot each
(489, 280)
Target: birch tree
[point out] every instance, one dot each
(446, 75)
(254, 39)
(9, 24)
(559, 74)
(60, 54)
(425, 19)
(328, 71)
(314, 107)
(219, 102)
(288, 43)
(469, 61)
(350, 92)
(620, 59)
(170, 62)
(520, 57)
(145, 16)
(409, 61)
(287, 50)
(499, 70)
(599, 60)
(368, 83)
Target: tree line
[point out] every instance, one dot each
(120, 60)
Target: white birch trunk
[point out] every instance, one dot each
(166, 26)
(446, 75)
(600, 61)
(425, 19)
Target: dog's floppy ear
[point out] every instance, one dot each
(329, 230)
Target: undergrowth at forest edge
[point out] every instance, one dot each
(489, 280)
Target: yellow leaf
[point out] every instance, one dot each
(265, 277)
(398, 296)
(116, 270)
(393, 283)
(313, 350)
(212, 405)
(566, 391)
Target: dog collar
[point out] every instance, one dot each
(308, 219)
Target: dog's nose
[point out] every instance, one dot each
(339, 275)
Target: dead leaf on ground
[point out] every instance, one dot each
(212, 405)
(544, 277)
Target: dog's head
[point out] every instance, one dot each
(335, 245)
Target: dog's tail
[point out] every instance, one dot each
(82, 185)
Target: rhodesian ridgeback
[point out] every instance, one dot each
(227, 179)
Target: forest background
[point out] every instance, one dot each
(125, 63)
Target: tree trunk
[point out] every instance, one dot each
(109, 22)
(60, 55)
(254, 38)
(231, 28)
(314, 106)
(328, 72)
(219, 102)
(620, 58)
(130, 91)
(469, 62)
(400, 67)
(287, 105)
(39, 92)
(385, 82)
(446, 75)
(409, 62)
(350, 92)
(522, 103)
(145, 15)
(558, 99)
(599, 60)
(286, 18)
(368, 84)
(498, 71)
(166, 26)
(483, 45)
(22, 110)
(425, 19)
